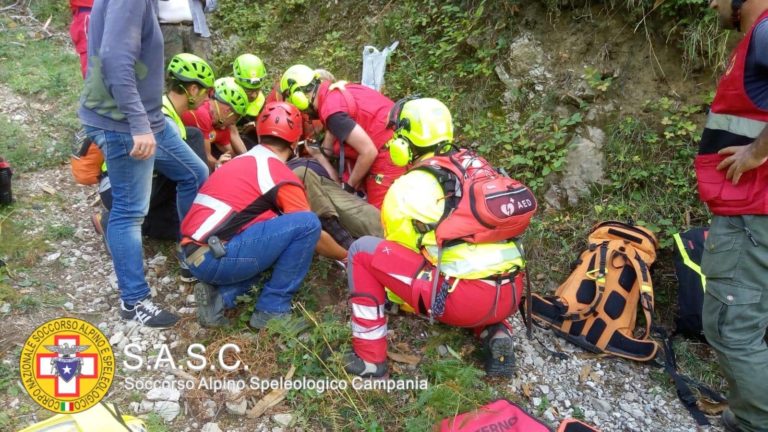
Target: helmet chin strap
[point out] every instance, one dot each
(190, 99)
(219, 121)
(736, 13)
(311, 111)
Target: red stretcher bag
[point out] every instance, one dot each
(500, 415)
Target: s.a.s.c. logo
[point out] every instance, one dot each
(67, 365)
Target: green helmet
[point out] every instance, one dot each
(249, 71)
(296, 82)
(190, 68)
(226, 90)
(422, 123)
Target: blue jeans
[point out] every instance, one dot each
(131, 181)
(286, 244)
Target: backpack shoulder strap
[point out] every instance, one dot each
(449, 174)
(597, 273)
(340, 86)
(646, 290)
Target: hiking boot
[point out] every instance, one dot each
(259, 319)
(332, 226)
(210, 306)
(148, 314)
(99, 222)
(185, 275)
(354, 365)
(730, 422)
(500, 360)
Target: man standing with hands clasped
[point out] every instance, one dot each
(733, 182)
(121, 111)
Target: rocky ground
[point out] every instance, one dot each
(613, 394)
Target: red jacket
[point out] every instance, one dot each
(371, 112)
(731, 97)
(734, 120)
(74, 4)
(235, 186)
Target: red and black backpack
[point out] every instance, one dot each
(483, 204)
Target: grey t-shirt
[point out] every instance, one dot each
(124, 85)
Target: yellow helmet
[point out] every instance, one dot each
(297, 83)
(228, 91)
(249, 71)
(420, 125)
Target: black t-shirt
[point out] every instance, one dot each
(756, 70)
(340, 124)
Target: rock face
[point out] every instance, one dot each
(584, 165)
(283, 419)
(525, 65)
(164, 394)
(211, 427)
(167, 410)
(527, 75)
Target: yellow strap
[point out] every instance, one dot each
(688, 261)
(453, 286)
(170, 111)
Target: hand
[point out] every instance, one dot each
(224, 158)
(143, 146)
(248, 128)
(741, 160)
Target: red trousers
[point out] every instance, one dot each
(78, 31)
(380, 177)
(375, 264)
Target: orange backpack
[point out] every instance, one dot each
(86, 161)
(596, 307)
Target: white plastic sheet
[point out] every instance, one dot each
(374, 65)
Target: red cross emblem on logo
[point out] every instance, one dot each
(45, 367)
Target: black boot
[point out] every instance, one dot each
(332, 226)
(500, 360)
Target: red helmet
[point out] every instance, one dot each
(280, 119)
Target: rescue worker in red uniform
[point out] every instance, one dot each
(252, 215)
(78, 29)
(733, 182)
(216, 119)
(356, 117)
(483, 280)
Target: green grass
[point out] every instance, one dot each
(453, 385)
(36, 65)
(57, 11)
(155, 423)
(696, 360)
(19, 248)
(8, 377)
(59, 232)
(43, 71)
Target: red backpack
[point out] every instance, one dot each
(483, 204)
(500, 415)
(504, 415)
